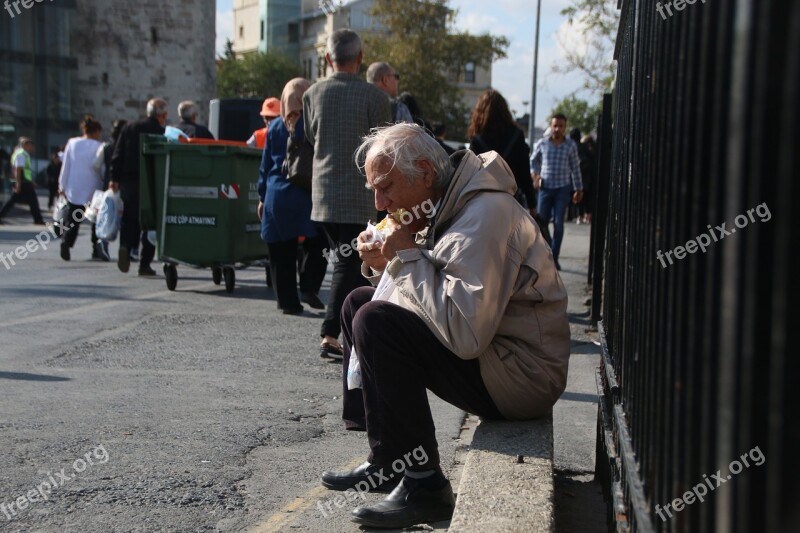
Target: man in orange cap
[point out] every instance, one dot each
(270, 109)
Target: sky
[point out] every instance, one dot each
(512, 76)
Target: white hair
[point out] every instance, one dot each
(404, 145)
(156, 107)
(187, 110)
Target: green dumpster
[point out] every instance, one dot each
(202, 202)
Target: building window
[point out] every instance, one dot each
(241, 32)
(469, 72)
(262, 31)
(294, 32)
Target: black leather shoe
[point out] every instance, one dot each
(312, 300)
(146, 271)
(409, 504)
(123, 259)
(364, 478)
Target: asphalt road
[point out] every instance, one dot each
(126, 407)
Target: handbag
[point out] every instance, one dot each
(61, 216)
(299, 161)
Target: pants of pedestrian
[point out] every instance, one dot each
(27, 194)
(553, 206)
(75, 219)
(400, 360)
(130, 233)
(346, 273)
(283, 263)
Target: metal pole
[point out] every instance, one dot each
(532, 119)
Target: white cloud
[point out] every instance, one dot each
(224, 29)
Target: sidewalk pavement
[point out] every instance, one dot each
(538, 475)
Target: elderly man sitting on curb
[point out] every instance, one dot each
(472, 309)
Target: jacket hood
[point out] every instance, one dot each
(474, 173)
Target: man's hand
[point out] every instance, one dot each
(532, 211)
(113, 186)
(537, 181)
(260, 210)
(370, 252)
(577, 196)
(18, 187)
(396, 237)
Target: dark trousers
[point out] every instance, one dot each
(74, 224)
(314, 264)
(130, 233)
(27, 194)
(283, 264)
(400, 359)
(346, 273)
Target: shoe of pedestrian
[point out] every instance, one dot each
(123, 259)
(101, 250)
(409, 504)
(328, 350)
(65, 255)
(294, 311)
(146, 271)
(312, 300)
(366, 477)
(39, 223)
(558, 265)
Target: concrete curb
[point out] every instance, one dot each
(499, 493)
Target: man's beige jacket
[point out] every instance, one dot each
(484, 281)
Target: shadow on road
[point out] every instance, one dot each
(24, 376)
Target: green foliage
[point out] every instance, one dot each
(255, 75)
(597, 22)
(580, 114)
(420, 42)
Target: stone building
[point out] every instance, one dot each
(62, 60)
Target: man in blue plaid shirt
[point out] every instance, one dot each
(556, 173)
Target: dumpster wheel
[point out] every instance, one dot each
(216, 275)
(230, 278)
(171, 273)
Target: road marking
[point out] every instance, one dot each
(283, 518)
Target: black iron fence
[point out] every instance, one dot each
(692, 259)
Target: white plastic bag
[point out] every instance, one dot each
(93, 207)
(109, 216)
(354, 380)
(60, 215)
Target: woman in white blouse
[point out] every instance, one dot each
(79, 178)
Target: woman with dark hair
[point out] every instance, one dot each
(493, 128)
(79, 179)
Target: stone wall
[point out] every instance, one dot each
(129, 52)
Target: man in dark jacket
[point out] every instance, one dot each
(187, 110)
(125, 178)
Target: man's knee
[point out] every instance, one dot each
(355, 301)
(378, 319)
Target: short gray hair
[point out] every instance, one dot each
(187, 110)
(377, 71)
(156, 107)
(404, 145)
(344, 46)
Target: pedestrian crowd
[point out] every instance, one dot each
(462, 298)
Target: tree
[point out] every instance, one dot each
(596, 21)
(580, 114)
(419, 40)
(255, 75)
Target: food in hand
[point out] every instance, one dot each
(397, 215)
